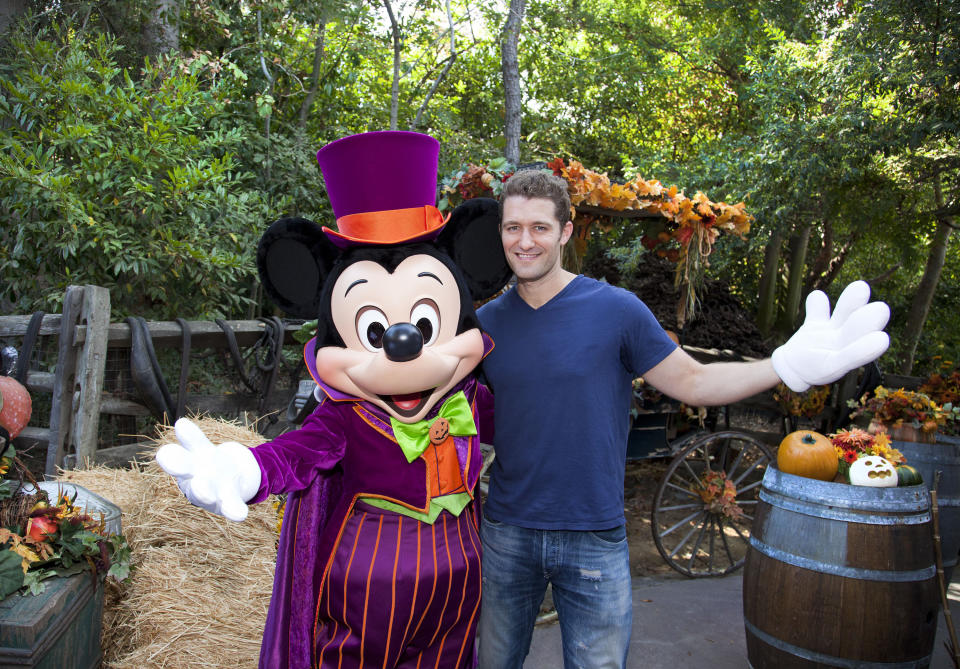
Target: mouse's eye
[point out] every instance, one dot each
(426, 317)
(371, 324)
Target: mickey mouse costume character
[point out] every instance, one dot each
(379, 556)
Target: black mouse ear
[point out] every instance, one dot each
(472, 238)
(294, 258)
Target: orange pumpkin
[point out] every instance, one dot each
(807, 453)
(15, 407)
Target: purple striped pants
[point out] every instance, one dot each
(401, 593)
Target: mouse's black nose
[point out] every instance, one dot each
(402, 342)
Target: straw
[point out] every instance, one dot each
(200, 587)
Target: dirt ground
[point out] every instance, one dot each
(640, 485)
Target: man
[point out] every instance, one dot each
(567, 349)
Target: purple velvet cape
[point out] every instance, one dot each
(344, 449)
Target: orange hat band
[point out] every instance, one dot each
(390, 226)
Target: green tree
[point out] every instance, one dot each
(914, 48)
(849, 158)
(836, 122)
(130, 183)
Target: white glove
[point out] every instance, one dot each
(827, 347)
(217, 478)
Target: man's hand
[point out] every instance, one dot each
(827, 347)
(217, 478)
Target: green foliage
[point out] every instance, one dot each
(622, 85)
(7, 488)
(130, 183)
(156, 178)
(306, 332)
(940, 339)
(76, 543)
(120, 564)
(11, 573)
(33, 580)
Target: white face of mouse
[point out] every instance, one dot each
(402, 351)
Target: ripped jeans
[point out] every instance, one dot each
(589, 572)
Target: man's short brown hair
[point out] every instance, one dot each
(533, 183)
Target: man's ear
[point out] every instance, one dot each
(294, 258)
(472, 238)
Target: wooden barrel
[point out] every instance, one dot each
(839, 576)
(943, 456)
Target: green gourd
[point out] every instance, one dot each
(907, 475)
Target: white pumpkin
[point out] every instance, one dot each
(873, 471)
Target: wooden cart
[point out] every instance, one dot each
(704, 504)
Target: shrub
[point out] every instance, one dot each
(123, 179)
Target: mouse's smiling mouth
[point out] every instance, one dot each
(409, 404)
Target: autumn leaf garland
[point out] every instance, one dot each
(690, 226)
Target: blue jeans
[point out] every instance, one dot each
(589, 572)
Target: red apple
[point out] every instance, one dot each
(39, 527)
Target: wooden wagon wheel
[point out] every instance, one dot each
(705, 503)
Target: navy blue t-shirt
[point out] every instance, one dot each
(561, 377)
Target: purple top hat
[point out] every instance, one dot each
(382, 187)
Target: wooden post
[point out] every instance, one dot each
(952, 646)
(91, 361)
(61, 410)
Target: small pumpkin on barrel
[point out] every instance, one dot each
(807, 453)
(907, 475)
(874, 472)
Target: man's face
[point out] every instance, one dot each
(532, 237)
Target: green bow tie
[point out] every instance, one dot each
(414, 437)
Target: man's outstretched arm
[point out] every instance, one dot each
(824, 349)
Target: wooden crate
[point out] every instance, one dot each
(57, 629)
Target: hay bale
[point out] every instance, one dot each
(200, 587)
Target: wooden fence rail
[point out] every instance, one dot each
(76, 386)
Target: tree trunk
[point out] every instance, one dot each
(836, 263)
(928, 286)
(395, 86)
(314, 76)
(10, 11)
(767, 298)
(443, 73)
(821, 262)
(798, 258)
(511, 79)
(161, 34)
(268, 163)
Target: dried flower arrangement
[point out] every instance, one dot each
(855, 443)
(41, 538)
(943, 387)
(906, 414)
(808, 404)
